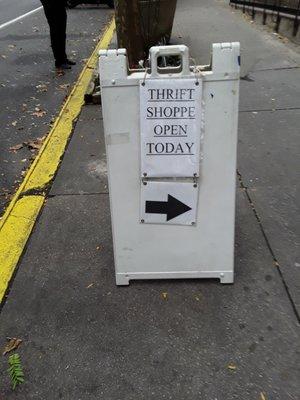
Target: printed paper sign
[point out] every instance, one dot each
(170, 112)
(169, 203)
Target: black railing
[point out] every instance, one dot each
(277, 7)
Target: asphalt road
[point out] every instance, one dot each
(31, 94)
(11, 9)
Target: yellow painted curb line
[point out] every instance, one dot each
(23, 210)
(14, 235)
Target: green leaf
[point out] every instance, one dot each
(15, 370)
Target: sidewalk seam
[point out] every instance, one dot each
(273, 69)
(271, 109)
(276, 263)
(75, 194)
(19, 218)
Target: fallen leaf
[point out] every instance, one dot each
(13, 343)
(90, 285)
(16, 147)
(64, 86)
(164, 295)
(262, 396)
(38, 112)
(231, 366)
(60, 72)
(42, 88)
(35, 144)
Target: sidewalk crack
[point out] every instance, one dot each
(276, 263)
(270, 109)
(50, 196)
(274, 69)
(42, 191)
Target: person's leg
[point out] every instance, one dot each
(61, 25)
(57, 19)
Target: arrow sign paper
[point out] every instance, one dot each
(170, 203)
(172, 208)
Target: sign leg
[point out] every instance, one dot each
(122, 280)
(226, 277)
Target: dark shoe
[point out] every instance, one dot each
(63, 66)
(70, 62)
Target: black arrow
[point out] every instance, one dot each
(172, 208)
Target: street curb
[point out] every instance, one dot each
(23, 210)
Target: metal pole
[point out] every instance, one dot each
(265, 13)
(296, 20)
(278, 19)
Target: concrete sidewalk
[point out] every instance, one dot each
(84, 338)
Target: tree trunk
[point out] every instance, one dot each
(129, 30)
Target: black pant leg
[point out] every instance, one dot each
(61, 34)
(57, 20)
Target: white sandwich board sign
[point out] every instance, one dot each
(171, 139)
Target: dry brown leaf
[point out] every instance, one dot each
(16, 147)
(35, 144)
(262, 396)
(90, 285)
(231, 366)
(13, 343)
(64, 86)
(42, 88)
(38, 112)
(164, 295)
(60, 72)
